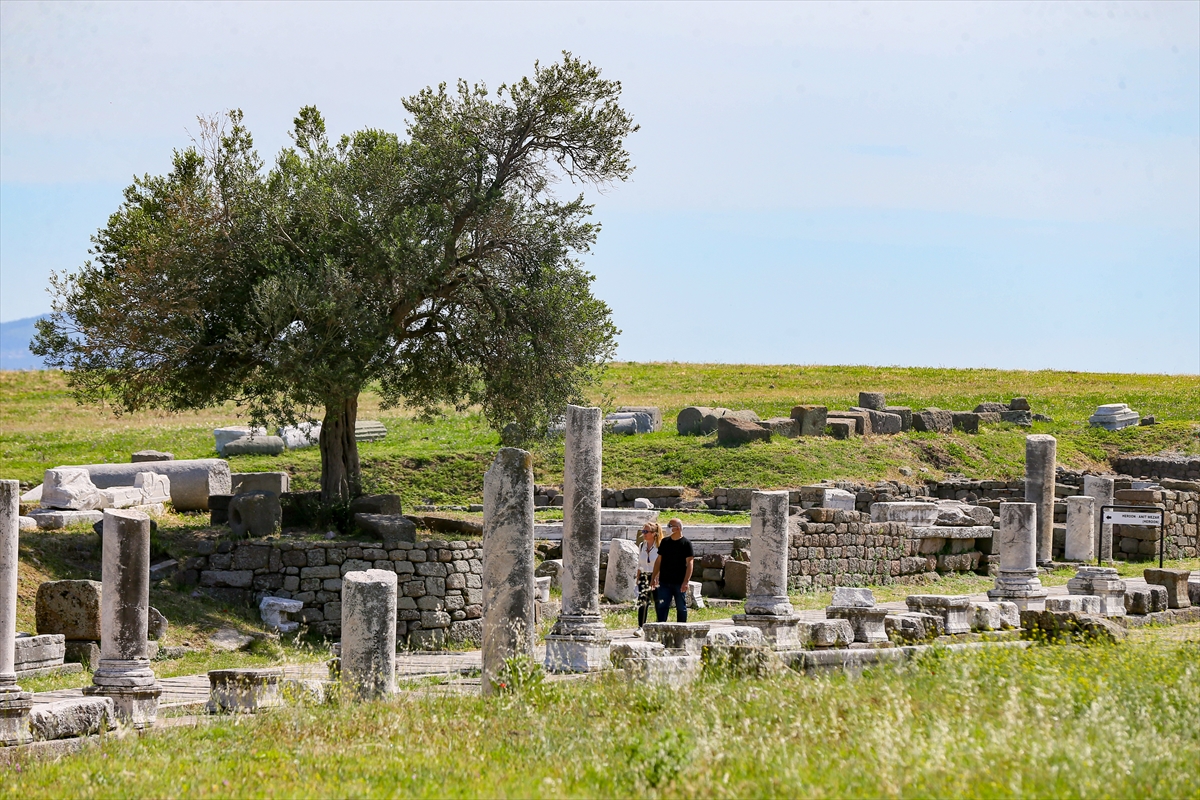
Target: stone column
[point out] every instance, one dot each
(508, 583)
(767, 605)
(1018, 576)
(1040, 452)
(1081, 529)
(124, 673)
(369, 632)
(767, 583)
(1100, 488)
(14, 703)
(579, 641)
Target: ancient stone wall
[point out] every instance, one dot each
(851, 550)
(1184, 468)
(1180, 529)
(440, 583)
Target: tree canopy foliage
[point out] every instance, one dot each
(441, 265)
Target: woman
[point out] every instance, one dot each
(647, 555)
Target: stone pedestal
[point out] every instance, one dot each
(14, 703)
(369, 632)
(867, 622)
(1175, 581)
(955, 610)
(767, 605)
(579, 641)
(509, 587)
(1040, 452)
(1017, 579)
(1104, 583)
(124, 672)
(678, 637)
(1081, 529)
(1100, 489)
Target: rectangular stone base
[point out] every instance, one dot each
(576, 654)
(665, 670)
(782, 633)
(134, 706)
(243, 690)
(14, 718)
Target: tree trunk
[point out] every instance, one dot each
(341, 477)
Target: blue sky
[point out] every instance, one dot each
(1007, 185)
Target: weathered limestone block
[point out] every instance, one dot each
(868, 623)
(38, 652)
(53, 520)
(368, 657)
(653, 413)
(840, 428)
(872, 400)
(832, 633)
(277, 483)
(635, 649)
(550, 568)
(904, 413)
(255, 514)
(911, 627)
(861, 420)
(1077, 603)
(995, 616)
(391, 528)
(733, 431)
(274, 611)
(1175, 581)
(677, 637)
(933, 420)
(620, 579)
(69, 719)
(670, 671)
(1040, 453)
(737, 579)
(509, 625)
(786, 427)
(693, 594)
(955, 610)
(150, 455)
(155, 488)
(192, 481)
(739, 635)
(811, 419)
(966, 421)
(1149, 600)
(71, 608)
(70, 488)
(1103, 582)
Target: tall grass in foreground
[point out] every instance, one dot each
(1068, 721)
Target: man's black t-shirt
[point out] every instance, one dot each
(674, 554)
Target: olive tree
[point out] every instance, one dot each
(440, 266)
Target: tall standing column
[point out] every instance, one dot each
(124, 673)
(767, 605)
(1017, 579)
(579, 641)
(1041, 450)
(1100, 488)
(508, 583)
(1081, 529)
(369, 632)
(14, 703)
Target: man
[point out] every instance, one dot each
(672, 571)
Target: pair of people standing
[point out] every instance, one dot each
(664, 570)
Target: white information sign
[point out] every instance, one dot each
(1151, 518)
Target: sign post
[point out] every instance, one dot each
(1142, 516)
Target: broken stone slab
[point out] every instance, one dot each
(933, 420)
(991, 408)
(255, 446)
(1148, 600)
(912, 627)
(142, 456)
(275, 482)
(542, 589)
(551, 568)
(156, 624)
(155, 488)
(673, 670)
(731, 635)
(369, 430)
(38, 652)
(653, 412)
(861, 420)
(1175, 581)
(966, 421)
(192, 480)
(229, 639)
(70, 608)
(391, 528)
(694, 594)
(853, 597)
(782, 426)
(872, 400)
(953, 532)
(1002, 615)
(255, 514)
(1077, 603)
(1022, 418)
(27, 524)
(634, 649)
(1056, 625)
(677, 637)
(70, 489)
(840, 428)
(231, 433)
(810, 419)
(913, 513)
(734, 431)
(52, 520)
(631, 422)
(882, 423)
(376, 504)
(1103, 582)
(274, 612)
(1113, 417)
(122, 497)
(299, 436)
(828, 633)
(69, 719)
(955, 610)
(620, 579)
(868, 623)
(245, 690)
(904, 413)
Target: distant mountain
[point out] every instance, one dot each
(14, 344)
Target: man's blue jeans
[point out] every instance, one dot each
(663, 596)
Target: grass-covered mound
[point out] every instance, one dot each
(1053, 721)
(443, 461)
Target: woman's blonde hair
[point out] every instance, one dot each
(657, 529)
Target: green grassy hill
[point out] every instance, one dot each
(443, 461)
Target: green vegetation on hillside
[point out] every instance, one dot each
(443, 460)
(1051, 721)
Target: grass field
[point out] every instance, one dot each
(443, 461)
(1061, 721)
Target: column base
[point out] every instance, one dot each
(136, 706)
(1018, 588)
(768, 605)
(566, 653)
(14, 718)
(782, 632)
